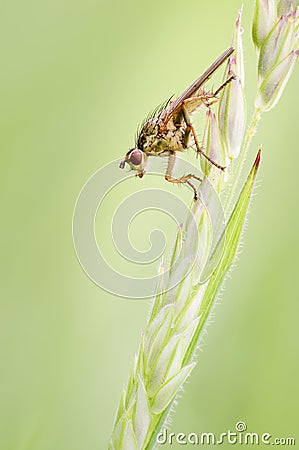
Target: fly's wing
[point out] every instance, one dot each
(191, 90)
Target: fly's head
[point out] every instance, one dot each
(137, 160)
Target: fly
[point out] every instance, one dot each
(170, 129)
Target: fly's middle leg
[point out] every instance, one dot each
(190, 129)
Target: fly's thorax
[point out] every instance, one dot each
(156, 139)
(176, 139)
(148, 134)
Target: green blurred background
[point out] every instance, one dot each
(76, 79)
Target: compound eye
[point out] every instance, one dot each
(136, 157)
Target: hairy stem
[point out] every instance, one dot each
(256, 117)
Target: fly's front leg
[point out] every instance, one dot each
(181, 180)
(190, 129)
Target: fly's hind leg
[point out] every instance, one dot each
(212, 98)
(229, 80)
(207, 100)
(181, 180)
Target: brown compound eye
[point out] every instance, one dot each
(136, 157)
